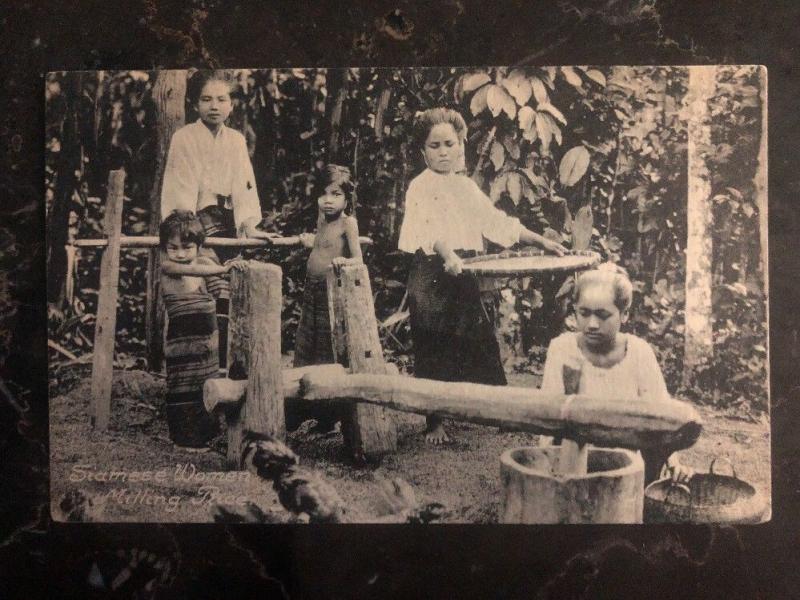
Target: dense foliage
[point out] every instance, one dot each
(590, 156)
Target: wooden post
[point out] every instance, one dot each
(238, 358)
(105, 327)
(255, 353)
(370, 431)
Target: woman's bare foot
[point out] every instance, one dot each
(435, 433)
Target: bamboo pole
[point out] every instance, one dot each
(105, 328)
(151, 241)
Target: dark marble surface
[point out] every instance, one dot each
(362, 561)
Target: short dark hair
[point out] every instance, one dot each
(432, 117)
(611, 275)
(184, 224)
(198, 81)
(340, 176)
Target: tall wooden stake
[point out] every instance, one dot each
(105, 327)
(255, 353)
(370, 432)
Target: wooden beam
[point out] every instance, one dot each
(370, 432)
(630, 423)
(224, 394)
(105, 327)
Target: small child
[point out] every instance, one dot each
(447, 216)
(336, 242)
(208, 172)
(600, 361)
(192, 344)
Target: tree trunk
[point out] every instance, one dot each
(337, 80)
(169, 93)
(67, 183)
(761, 181)
(698, 342)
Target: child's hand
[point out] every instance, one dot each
(235, 264)
(553, 247)
(307, 239)
(453, 265)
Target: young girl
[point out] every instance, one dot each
(208, 172)
(447, 217)
(601, 361)
(336, 242)
(192, 347)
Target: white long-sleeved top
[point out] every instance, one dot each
(201, 165)
(637, 375)
(452, 208)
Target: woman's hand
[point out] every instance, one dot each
(679, 473)
(307, 239)
(235, 264)
(553, 247)
(453, 264)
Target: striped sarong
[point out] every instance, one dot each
(191, 354)
(313, 345)
(218, 222)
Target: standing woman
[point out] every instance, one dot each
(208, 172)
(447, 217)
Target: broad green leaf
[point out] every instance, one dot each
(571, 76)
(546, 106)
(512, 146)
(497, 155)
(525, 116)
(531, 133)
(550, 80)
(537, 181)
(474, 81)
(582, 228)
(596, 76)
(499, 101)
(497, 187)
(539, 91)
(573, 166)
(479, 101)
(518, 86)
(544, 125)
(514, 186)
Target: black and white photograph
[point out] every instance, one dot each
(413, 295)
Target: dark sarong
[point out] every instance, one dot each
(452, 329)
(191, 354)
(313, 346)
(218, 222)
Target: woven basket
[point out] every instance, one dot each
(708, 498)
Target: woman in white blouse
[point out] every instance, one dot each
(447, 216)
(601, 361)
(209, 173)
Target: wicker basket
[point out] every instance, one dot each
(708, 498)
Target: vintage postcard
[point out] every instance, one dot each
(409, 295)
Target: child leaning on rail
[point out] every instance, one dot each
(599, 360)
(191, 349)
(335, 243)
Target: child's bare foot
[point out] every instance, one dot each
(436, 435)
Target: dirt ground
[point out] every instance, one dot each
(166, 484)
